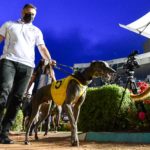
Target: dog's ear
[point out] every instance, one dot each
(93, 63)
(98, 63)
(102, 64)
(106, 65)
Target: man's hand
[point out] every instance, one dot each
(52, 62)
(46, 55)
(1, 38)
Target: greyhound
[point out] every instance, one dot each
(72, 98)
(44, 113)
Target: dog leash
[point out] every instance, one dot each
(62, 70)
(65, 66)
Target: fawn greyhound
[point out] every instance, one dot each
(72, 95)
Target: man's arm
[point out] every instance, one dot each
(1, 38)
(52, 74)
(45, 54)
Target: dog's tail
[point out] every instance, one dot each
(141, 96)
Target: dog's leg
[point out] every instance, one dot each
(58, 117)
(74, 119)
(41, 96)
(74, 136)
(76, 112)
(31, 119)
(53, 122)
(45, 108)
(47, 124)
(73, 91)
(47, 121)
(77, 107)
(23, 123)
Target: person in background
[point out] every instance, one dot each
(17, 64)
(42, 72)
(42, 76)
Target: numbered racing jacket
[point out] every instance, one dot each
(59, 88)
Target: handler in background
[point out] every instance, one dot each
(17, 63)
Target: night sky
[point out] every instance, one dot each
(78, 31)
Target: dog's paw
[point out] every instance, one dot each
(75, 143)
(27, 143)
(45, 134)
(36, 138)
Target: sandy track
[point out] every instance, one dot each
(61, 141)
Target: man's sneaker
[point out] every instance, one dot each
(6, 140)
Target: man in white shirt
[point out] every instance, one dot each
(17, 63)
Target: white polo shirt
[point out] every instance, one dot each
(20, 41)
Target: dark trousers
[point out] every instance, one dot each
(14, 79)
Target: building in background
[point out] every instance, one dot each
(140, 73)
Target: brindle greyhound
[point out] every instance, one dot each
(75, 96)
